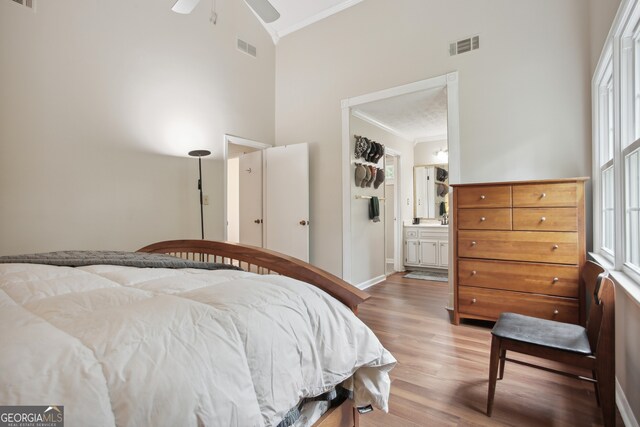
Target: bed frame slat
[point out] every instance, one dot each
(263, 261)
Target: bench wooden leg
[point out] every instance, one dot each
(503, 356)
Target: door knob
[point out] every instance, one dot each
(258, 221)
(303, 222)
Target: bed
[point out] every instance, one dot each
(262, 340)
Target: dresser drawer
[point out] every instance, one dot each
(545, 219)
(556, 280)
(484, 219)
(541, 195)
(489, 303)
(495, 196)
(549, 246)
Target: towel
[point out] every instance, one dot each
(374, 209)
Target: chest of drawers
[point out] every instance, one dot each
(519, 247)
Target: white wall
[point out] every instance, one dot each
(368, 238)
(99, 103)
(601, 14)
(424, 153)
(524, 96)
(233, 200)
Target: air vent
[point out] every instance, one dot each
(26, 3)
(247, 48)
(464, 45)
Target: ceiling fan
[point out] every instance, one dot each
(262, 8)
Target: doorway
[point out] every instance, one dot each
(260, 182)
(244, 189)
(404, 195)
(392, 214)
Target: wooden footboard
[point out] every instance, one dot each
(262, 261)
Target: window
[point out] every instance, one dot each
(608, 218)
(605, 145)
(636, 82)
(616, 157)
(632, 196)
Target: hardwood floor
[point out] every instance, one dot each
(442, 373)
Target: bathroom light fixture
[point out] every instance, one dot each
(200, 154)
(442, 155)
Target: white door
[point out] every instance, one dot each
(428, 252)
(250, 205)
(411, 252)
(287, 200)
(430, 207)
(420, 178)
(443, 259)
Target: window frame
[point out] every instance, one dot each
(627, 267)
(620, 60)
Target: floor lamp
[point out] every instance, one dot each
(200, 154)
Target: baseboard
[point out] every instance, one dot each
(625, 409)
(369, 283)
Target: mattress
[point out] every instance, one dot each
(131, 346)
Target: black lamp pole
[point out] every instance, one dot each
(200, 154)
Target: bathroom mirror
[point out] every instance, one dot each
(430, 190)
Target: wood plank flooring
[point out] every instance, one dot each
(442, 374)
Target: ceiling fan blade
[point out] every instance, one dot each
(264, 10)
(185, 6)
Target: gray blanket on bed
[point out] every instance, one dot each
(128, 259)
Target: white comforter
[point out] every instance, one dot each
(158, 347)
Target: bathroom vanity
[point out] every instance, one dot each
(426, 245)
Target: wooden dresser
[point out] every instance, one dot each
(519, 247)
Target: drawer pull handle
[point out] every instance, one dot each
(543, 219)
(556, 312)
(473, 273)
(482, 197)
(473, 301)
(474, 243)
(555, 280)
(483, 219)
(543, 195)
(555, 247)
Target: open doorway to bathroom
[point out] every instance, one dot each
(388, 115)
(391, 214)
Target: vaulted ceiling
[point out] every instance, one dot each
(297, 14)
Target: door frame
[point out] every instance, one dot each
(397, 202)
(237, 140)
(450, 81)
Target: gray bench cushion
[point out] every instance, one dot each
(561, 336)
